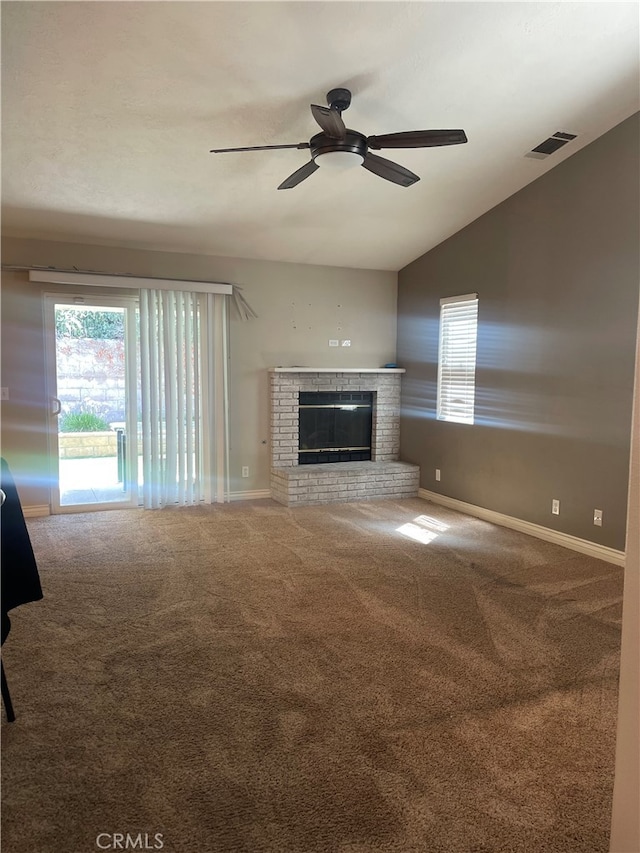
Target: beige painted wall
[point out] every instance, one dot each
(299, 307)
(625, 818)
(556, 268)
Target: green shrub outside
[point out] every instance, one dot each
(82, 422)
(88, 323)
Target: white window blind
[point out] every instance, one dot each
(457, 358)
(184, 397)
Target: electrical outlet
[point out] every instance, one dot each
(245, 470)
(346, 343)
(437, 475)
(555, 507)
(4, 393)
(597, 517)
(334, 343)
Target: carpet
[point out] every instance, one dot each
(372, 677)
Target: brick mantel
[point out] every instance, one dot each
(333, 370)
(286, 383)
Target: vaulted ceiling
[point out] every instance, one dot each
(110, 109)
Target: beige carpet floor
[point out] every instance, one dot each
(383, 676)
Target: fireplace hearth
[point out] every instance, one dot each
(334, 426)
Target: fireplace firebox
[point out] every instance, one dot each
(334, 426)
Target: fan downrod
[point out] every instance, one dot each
(339, 99)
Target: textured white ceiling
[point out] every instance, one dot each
(109, 110)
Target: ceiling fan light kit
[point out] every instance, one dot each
(349, 151)
(340, 148)
(339, 160)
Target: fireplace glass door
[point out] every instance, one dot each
(334, 426)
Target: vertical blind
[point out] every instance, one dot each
(457, 358)
(183, 369)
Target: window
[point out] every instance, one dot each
(457, 358)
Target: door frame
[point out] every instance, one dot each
(130, 304)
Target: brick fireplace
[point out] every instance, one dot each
(382, 477)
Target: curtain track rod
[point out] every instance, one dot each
(20, 268)
(245, 311)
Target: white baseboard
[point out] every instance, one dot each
(250, 496)
(36, 510)
(592, 549)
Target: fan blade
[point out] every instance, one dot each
(259, 148)
(330, 121)
(417, 139)
(389, 171)
(299, 175)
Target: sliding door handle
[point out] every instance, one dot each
(56, 406)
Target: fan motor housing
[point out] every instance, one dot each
(353, 143)
(339, 99)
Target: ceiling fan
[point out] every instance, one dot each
(338, 146)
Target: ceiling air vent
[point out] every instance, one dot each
(550, 145)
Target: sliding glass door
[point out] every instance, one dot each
(93, 402)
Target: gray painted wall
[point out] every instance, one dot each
(556, 267)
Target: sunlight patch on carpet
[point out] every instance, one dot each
(423, 529)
